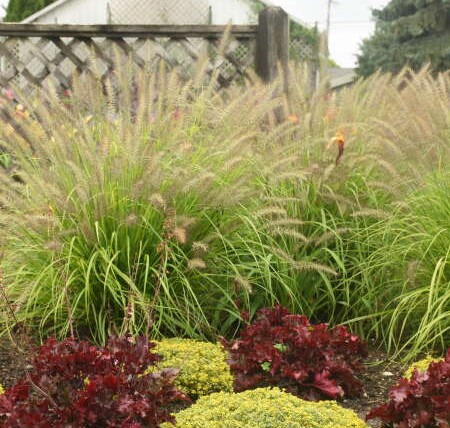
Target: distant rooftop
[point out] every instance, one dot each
(341, 76)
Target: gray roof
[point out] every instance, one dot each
(341, 76)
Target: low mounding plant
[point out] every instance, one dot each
(75, 384)
(421, 366)
(421, 401)
(311, 361)
(262, 408)
(203, 367)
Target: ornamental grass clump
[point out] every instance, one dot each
(264, 408)
(147, 202)
(310, 360)
(75, 384)
(422, 401)
(157, 207)
(405, 259)
(203, 367)
(115, 202)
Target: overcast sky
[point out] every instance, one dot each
(351, 22)
(3, 4)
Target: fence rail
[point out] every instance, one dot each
(36, 54)
(120, 31)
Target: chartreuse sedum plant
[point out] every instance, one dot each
(264, 407)
(421, 366)
(118, 196)
(203, 366)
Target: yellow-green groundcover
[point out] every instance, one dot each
(264, 408)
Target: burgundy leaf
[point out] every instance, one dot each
(280, 348)
(422, 401)
(78, 385)
(327, 385)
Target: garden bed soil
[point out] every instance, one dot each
(378, 376)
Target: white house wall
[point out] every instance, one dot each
(239, 12)
(77, 12)
(160, 12)
(183, 12)
(156, 12)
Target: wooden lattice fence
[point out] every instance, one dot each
(34, 55)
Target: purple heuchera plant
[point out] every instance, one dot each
(311, 361)
(421, 402)
(75, 384)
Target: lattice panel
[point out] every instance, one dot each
(159, 12)
(301, 51)
(37, 61)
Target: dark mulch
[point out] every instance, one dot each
(378, 376)
(13, 361)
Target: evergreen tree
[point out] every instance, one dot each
(17, 10)
(408, 32)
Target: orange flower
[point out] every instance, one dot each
(339, 139)
(293, 118)
(21, 111)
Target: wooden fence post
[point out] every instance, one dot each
(272, 44)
